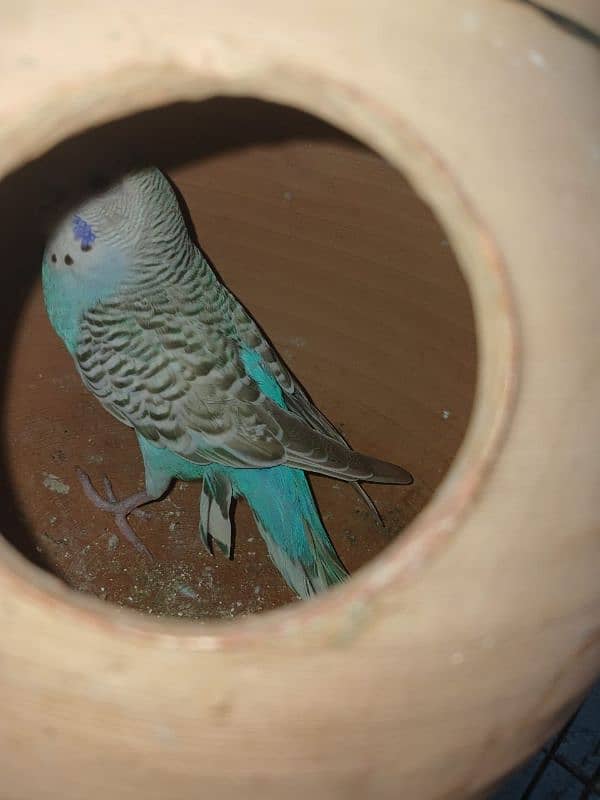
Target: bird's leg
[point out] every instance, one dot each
(119, 508)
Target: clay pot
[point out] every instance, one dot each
(470, 639)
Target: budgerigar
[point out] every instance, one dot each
(170, 352)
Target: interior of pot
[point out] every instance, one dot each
(342, 265)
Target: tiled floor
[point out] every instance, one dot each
(568, 767)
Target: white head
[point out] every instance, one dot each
(129, 234)
(116, 229)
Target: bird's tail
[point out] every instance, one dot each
(288, 519)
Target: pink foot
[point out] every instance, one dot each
(110, 493)
(120, 509)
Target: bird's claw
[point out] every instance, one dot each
(110, 494)
(119, 508)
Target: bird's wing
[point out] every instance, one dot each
(180, 380)
(296, 399)
(311, 440)
(177, 380)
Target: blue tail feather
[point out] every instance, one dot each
(287, 517)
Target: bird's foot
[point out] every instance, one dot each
(120, 509)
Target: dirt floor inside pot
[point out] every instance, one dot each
(342, 265)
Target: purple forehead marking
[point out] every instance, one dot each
(83, 231)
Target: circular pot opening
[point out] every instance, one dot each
(344, 267)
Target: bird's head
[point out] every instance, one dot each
(113, 237)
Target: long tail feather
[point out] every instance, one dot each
(289, 522)
(374, 511)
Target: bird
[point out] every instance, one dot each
(169, 351)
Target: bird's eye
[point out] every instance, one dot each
(68, 260)
(53, 258)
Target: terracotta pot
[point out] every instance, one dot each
(455, 653)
